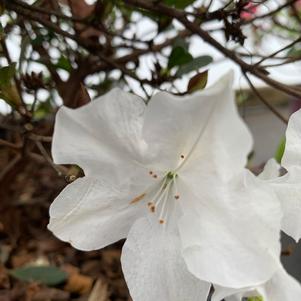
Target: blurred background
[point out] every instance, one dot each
(55, 52)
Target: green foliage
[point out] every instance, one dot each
(295, 51)
(280, 150)
(179, 56)
(6, 74)
(194, 64)
(48, 275)
(43, 109)
(198, 82)
(64, 63)
(179, 3)
(258, 298)
(8, 90)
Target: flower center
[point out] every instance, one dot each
(157, 197)
(160, 195)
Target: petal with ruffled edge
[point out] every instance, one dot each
(91, 214)
(281, 287)
(230, 231)
(288, 190)
(204, 127)
(154, 268)
(271, 170)
(292, 153)
(288, 187)
(103, 137)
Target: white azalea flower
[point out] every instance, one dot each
(179, 163)
(281, 287)
(288, 186)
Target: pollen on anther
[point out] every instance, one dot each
(161, 221)
(151, 206)
(177, 196)
(182, 156)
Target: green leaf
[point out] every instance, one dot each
(294, 51)
(198, 82)
(179, 56)
(43, 109)
(178, 3)
(258, 298)
(64, 63)
(280, 150)
(6, 74)
(48, 275)
(194, 65)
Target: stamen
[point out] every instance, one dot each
(151, 206)
(164, 197)
(177, 195)
(161, 221)
(155, 176)
(138, 198)
(182, 156)
(150, 172)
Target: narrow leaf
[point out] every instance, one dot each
(48, 275)
(280, 150)
(194, 65)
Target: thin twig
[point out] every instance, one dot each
(269, 106)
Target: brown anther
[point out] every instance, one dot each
(182, 156)
(177, 196)
(151, 206)
(138, 198)
(150, 172)
(155, 176)
(161, 221)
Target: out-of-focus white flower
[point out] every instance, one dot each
(170, 177)
(281, 287)
(288, 186)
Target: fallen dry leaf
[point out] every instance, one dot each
(77, 283)
(99, 291)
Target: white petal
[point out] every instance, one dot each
(282, 287)
(173, 125)
(230, 234)
(271, 170)
(90, 214)
(102, 137)
(154, 268)
(292, 152)
(288, 189)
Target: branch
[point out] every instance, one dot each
(181, 17)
